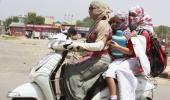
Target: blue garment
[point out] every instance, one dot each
(121, 40)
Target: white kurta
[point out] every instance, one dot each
(124, 69)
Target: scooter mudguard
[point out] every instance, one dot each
(144, 88)
(28, 90)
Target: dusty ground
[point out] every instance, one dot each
(16, 58)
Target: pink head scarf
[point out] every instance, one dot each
(138, 10)
(122, 24)
(146, 20)
(146, 23)
(124, 19)
(135, 16)
(119, 21)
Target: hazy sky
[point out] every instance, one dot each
(158, 9)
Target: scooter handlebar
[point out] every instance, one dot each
(59, 42)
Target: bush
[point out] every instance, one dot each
(8, 37)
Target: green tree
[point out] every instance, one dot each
(32, 18)
(40, 20)
(15, 19)
(79, 23)
(87, 22)
(162, 30)
(9, 20)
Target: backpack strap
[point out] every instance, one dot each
(140, 31)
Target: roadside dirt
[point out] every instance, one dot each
(16, 59)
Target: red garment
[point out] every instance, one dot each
(146, 35)
(130, 46)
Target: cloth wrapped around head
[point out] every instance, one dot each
(138, 20)
(146, 23)
(98, 10)
(135, 16)
(137, 10)
(146, 20)
(119, 21)
(99, 32)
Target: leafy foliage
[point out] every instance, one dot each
(15, 19)
(87, 22)
(162, 31)
(9, 20)
(32, 18)
(40, 20)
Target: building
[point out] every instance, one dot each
(49, 20)
(17, 29)
(21, 18)
(31, 31)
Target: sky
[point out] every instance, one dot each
(78, 9)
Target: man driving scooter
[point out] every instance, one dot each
(80, 76)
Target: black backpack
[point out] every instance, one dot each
(157, 56)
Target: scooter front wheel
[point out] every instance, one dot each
(23, 99)
(148, 98)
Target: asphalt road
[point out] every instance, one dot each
(17, 57)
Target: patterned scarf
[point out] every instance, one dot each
(146, 23)
(123, 20)
(135, 16)
(122, 24)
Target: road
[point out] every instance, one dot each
(17, 57)
(163, 89)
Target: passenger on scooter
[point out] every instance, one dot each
(131, 65)
(141, 24)
(125, 62)
(80, 76)
(136, 13)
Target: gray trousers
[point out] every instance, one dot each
(79, 77)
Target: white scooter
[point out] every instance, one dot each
(46, 80)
